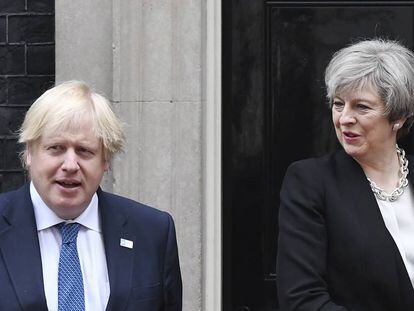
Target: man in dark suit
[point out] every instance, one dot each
(64, 243)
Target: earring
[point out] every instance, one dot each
(396, 127)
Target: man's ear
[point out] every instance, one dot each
(28, 156)
(107, 165)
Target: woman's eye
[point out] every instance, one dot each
(338, 104)
(363, 107)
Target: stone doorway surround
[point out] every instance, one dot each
(160, 64)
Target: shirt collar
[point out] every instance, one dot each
(46, 218)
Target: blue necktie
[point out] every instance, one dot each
(70, 281)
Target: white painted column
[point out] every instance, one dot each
(84, 42)
(84, 47)
(157, 93)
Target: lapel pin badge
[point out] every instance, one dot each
(126, 243)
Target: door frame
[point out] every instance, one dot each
(212, 170)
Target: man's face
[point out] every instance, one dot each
(66, 169)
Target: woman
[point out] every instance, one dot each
(346, 239)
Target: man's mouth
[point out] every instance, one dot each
(69, 184)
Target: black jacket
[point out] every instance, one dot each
(335, 252)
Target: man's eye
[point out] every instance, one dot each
(85, 151)
(54, 148)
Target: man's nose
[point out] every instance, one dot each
(70, 161)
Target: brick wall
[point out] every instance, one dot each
(27, 69)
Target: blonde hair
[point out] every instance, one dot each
(67, 106)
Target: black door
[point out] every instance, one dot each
(275, 112)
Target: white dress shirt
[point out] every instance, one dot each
(399, 219)
(91, 252)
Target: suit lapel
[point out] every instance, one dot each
(359, 197)
(20, 249)
(119, 258)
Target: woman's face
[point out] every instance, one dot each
(360, 124)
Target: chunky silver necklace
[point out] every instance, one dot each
(402, 183)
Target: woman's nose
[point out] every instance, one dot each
(70, 162)
(347, 116)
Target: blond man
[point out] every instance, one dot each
(64, 243)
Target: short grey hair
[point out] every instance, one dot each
(386, 66)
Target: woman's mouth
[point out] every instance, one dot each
(350, 136)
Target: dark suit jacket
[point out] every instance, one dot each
(145, 278)
(335, 252)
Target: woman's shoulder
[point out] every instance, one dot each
(325, 162)
(312, 176)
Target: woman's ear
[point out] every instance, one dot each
(398, 124)
(396, 127)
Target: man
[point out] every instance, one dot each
(64, 243)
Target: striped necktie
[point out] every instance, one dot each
(70, 281)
